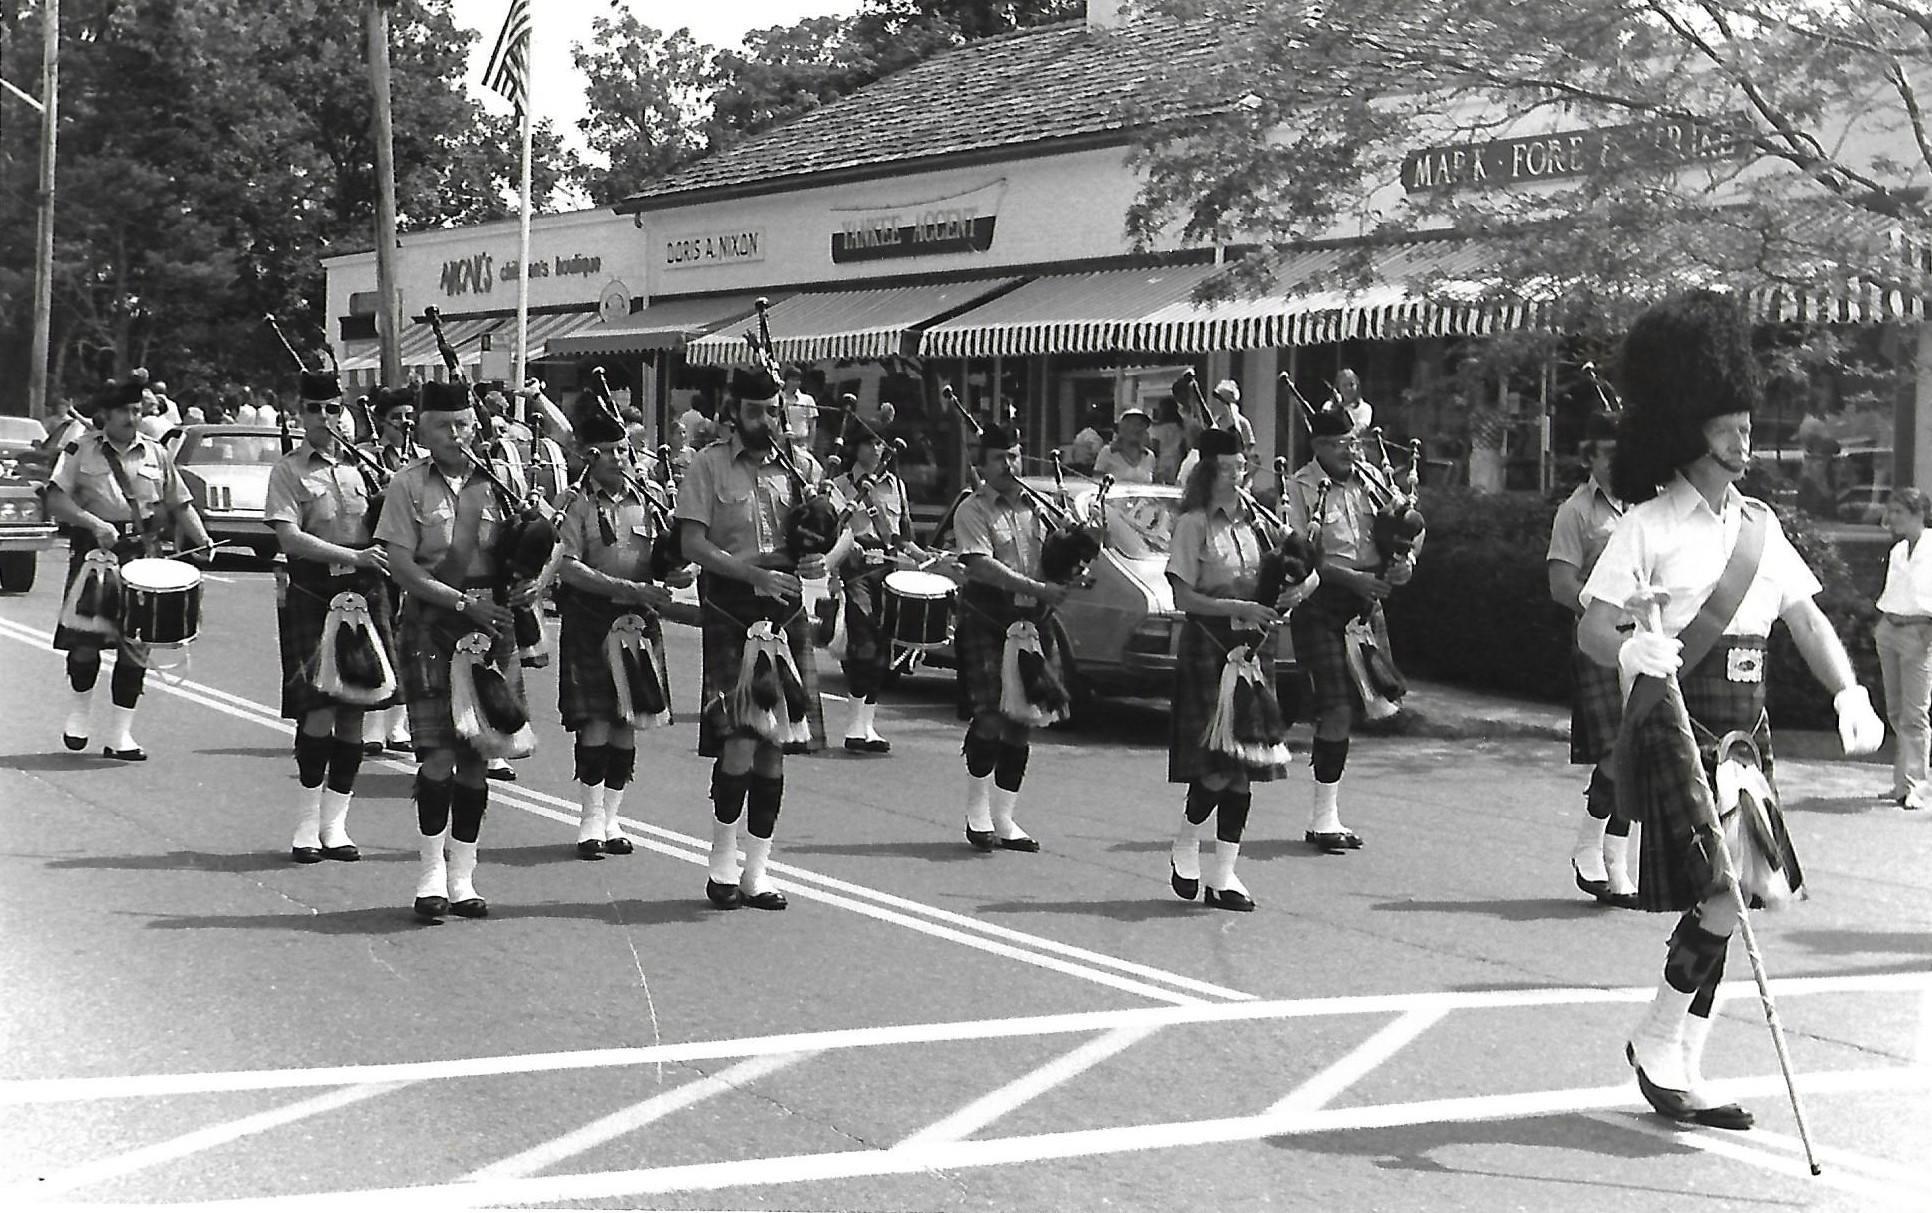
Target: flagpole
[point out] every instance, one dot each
(521, 369)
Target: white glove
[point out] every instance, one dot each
(1859, 728)
(1650, 653)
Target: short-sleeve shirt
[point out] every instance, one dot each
(1114, 462)
(1908, 579)
(425, 512)
(1583, 525)
(1216, 552)
(85, 473)
(611, 533)
(1007, 529)
(740, 496)
(1348, 518)
(1676, 542)
(327, 497)
(888, 500)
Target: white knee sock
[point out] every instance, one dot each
(613, 813)
(590, 818)
(120, 729)
(1588, 854)
(1002, 806)
(979, 802)
(1616, 864)
(308, 817)
(335, 818)
(1697, 1033)
(1326, 817)
(80, 713)
(724, 851)
(1220, 875)
(1659, 1038)
(1187, 848)
(757, 854)
(462, 871)
(860, 725)
(396, 723)
(434, 878)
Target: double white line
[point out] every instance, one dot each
(1099, 968)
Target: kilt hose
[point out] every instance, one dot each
(727, 609)
(425, 646)
(585, 691)
(1596, 709)
(1202, 652)
(868, 650)
(1317, 626)
(1674, 873)
(66, 639)
(979, 646)
(311, 587)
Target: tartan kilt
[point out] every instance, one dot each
(585, 691)
(299, 623)
(1673, 874)
(727, 609)
(1317, 626)
(1201, 654)
(1596, 709)
(979, 647)
(868, 650)
(424, 647)
(67, 639)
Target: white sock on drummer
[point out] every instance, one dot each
(871, 718)
(80, 714)
(335, 818)
(979, 802)
(1326, 818)
(860, 726)
(308, 818)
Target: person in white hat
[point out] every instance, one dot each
(1128, 458)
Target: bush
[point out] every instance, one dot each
(1479, 614)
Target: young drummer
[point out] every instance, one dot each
(878, 538)
(1727, 573)
(319, 504)
(608, 534)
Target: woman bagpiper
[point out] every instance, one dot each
(1214, 566)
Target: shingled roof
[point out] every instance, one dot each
(1062, 85)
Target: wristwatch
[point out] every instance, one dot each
(463, 601)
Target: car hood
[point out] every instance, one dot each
(1148, 574)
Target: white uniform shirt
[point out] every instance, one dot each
(1676, 542)
(1908, 579)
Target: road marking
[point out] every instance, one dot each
(197, 1141)
(63, 1090)
(609, 1128)
(997, 1103)
(1736, 1148)
(1081, 1143)
(1320, 1090)
(1877, 1167)
(885, 907)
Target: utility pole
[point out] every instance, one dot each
(38, 359)
(388, 303)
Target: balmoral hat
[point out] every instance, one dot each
(1214, 444)
(752, 383)
(321, 385)
(440, 397)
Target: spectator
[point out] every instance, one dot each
(1128, 458)
(1904, 639)
(1086, 445)
(1348, 391)
(1170, 441)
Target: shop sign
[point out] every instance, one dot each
(699, 250)
(578, 265)
(478, 273)
(962, 223)
(1503, 163)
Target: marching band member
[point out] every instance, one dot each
(1350, 585)
(998, 532)
(878, 538)
(732, 508)
(120, 492)
(1600, 859)
(440, 522)
(394, 447)
(1214, 564)
(1694, 726)
(612, 676)
(319, 504)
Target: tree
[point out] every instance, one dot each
(644, 97)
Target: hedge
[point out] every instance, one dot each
(1478, 613)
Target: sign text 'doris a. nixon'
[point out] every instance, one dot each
(701, 249)
(1502, 163)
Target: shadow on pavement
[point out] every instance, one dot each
(931, 852)
(370, 920)
(1139, 909)
(1842, 806)
(58, 760)
(634, 912)
(210, 861)
(286, 750)
(1842, 942)
(1251, 849)
(1521, 909)
(537, 855)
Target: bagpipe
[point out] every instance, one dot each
(812, 525)
(374, 474)
(1071, 544)
(667, 547)
(1394, 494)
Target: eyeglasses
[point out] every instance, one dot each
(316, 406)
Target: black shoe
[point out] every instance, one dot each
(1187, 888)
(724, 896)
(618, 846)
(590, 848)
(1730, 1116)
(506, 773)
(1333, 841)
(1029, 845)
(371, 749)
(72, 742)
(798, 747)
(346, 853)
(770, 899)
(305, 854)
(1620, 901)
(1669, 1104)
(982, 840)
(432, 908)
(470, 907)
(855, 745)
(878, 745)
(1599, 889)
(1227, 899)
(401, 747)
(137, 754)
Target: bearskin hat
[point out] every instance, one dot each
(1685, 361)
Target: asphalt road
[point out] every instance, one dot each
(1432, 1023)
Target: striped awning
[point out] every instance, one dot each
(420, 359)
(854, 325)
(661, 326)
(1064, 314)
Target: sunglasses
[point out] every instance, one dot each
(315, 406)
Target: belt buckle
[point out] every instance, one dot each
(1744, 665)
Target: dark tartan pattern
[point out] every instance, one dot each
(1317, 626)
(868, 651)
(1203, 651)
(728, 609)
(67, 639)
(585, 691)
(299, 630)
(425, 645)
(1596, 709)
(1673, 873)
(979, 647)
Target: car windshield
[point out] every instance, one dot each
(1139, 525)
(230, 449)
(21, 430)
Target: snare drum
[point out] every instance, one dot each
(160, 601)
(918, 608)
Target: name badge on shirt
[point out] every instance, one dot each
(1744, 665)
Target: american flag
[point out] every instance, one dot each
(508, 72)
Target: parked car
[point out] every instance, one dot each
(1123, 627)
(226, 467)
(25, 531)
(20, 445)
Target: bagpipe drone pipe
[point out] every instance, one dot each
(812, 525)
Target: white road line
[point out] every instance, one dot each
(1833, 1156)
(1737, 1148)
(609, 1128)
(1318, 1091)
(997, 1103)
(1082, 1143)
(64, 1090)
(195, 1142)
(941, 924)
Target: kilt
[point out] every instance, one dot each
(979, 646)
(585, 691)
(868, 650)
(1596, 709)
(1203, 651)
(1673, 873)
(299, 623)
(1317, 626)
(728, 608)
(424, 647)
(67, 639)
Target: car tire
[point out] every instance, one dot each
(17, 571)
